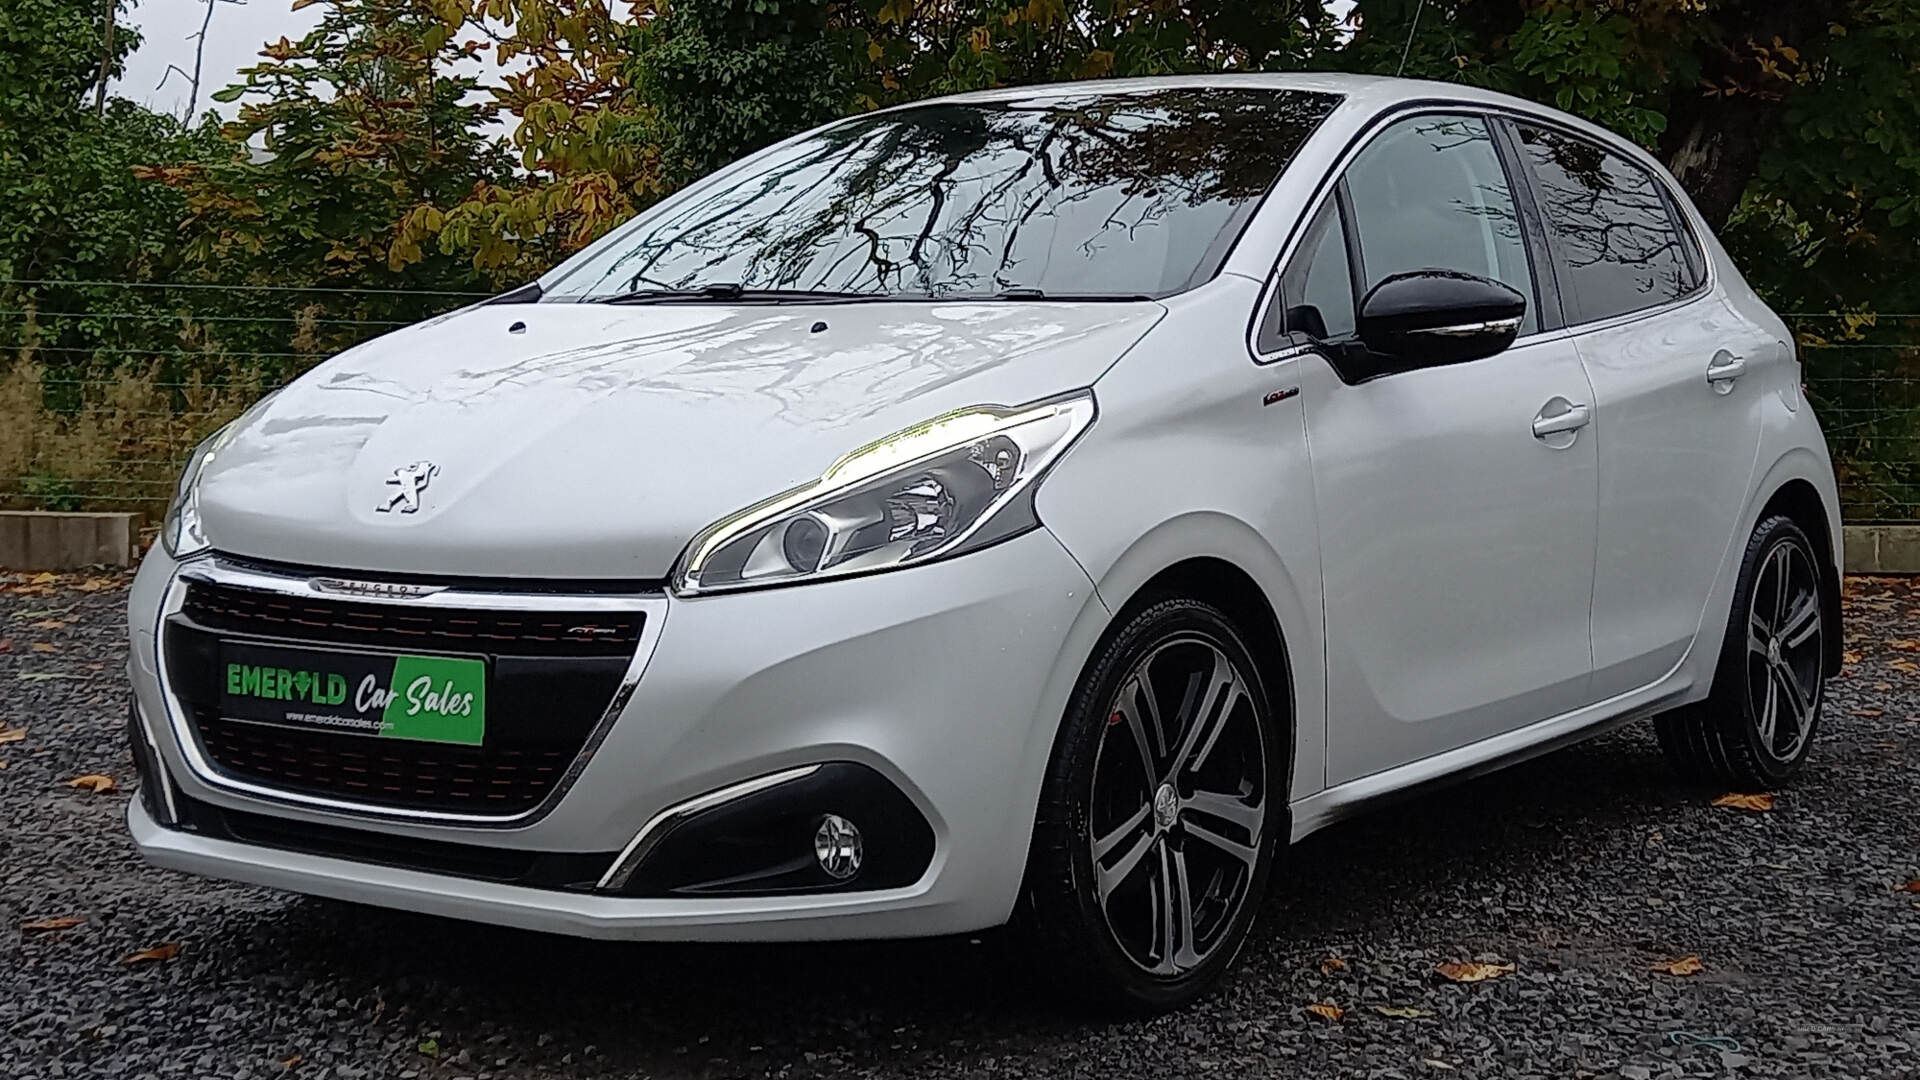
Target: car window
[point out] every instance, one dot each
(1429, 193)
(1617, 245)
(1315, 297)
(1098, 193)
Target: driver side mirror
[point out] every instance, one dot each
(1432, 318)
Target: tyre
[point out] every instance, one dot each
(1160, 817)
(1755, 729)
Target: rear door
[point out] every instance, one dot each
(1457, 546)
(1676, 415)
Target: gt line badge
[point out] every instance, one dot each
(409, 481)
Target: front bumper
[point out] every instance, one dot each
(947, 680)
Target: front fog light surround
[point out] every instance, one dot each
(954, 483)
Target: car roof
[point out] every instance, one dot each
(1369, 89)
(1362, 95)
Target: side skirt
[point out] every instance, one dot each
(1317, 811)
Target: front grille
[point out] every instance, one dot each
(396, 626)
(391, 772)
(549, 682)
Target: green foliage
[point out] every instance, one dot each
(365, 156)
(730, 76)
(340, 136)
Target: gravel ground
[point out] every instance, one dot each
(1582, 869)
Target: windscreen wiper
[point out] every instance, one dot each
(728, 290)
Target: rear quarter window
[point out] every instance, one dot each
(1617, 245)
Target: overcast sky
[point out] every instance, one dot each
(233, 42)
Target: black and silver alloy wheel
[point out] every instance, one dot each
(1756, 728)
(1159, 818)
(1178, 805)
(1784, 650)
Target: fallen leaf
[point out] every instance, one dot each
(1327, 1012)
(1401, 1012)
(1911, 886)
(43, 579)
(41, 676)
(430, 1048)
(15, 734)
(1332, 964)
(1686, 965)
(1849, 657)
(1907, 666)
(288, 1063)
(159, 952)
(62, 922)
(1436, 1063)
(1473, 972)
(95, 584)
(95, 783)
(43, 647)
(1905, 644)
(49, 624)
(1869, 712)
(6, 644)
(1883, 686)
(1736, 801)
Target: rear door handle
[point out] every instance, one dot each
(1569, 418)
(1723, 369)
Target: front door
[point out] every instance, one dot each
(1457, 544)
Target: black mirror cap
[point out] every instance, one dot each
(1431, 318)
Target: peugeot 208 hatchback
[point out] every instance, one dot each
(1039, 505)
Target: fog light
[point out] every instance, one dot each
(836, 844)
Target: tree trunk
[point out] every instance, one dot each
(1717, 131)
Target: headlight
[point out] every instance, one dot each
(952, 484)
(180, 531)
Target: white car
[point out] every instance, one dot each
(1039, 505)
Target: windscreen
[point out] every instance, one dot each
(1097, 195)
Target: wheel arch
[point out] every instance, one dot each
(1220, 559)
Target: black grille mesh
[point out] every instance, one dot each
(551, 678)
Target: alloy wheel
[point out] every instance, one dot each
(1784, 650)
(1179, 805)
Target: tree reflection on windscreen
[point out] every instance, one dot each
(1099, 194)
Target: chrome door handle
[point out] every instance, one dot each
(1573, 418)
(1723, 369)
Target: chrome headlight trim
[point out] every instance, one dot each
(181, 531)
(953, 483)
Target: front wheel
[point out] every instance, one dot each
(1161, 813)
(1756, 728)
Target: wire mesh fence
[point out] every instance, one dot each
(106, 387)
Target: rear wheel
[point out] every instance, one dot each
(1161, 813)
(1756, 728)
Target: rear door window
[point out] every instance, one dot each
(1617, 246)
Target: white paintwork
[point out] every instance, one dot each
(1457, 552)
(1454, 593)
(596, 442)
